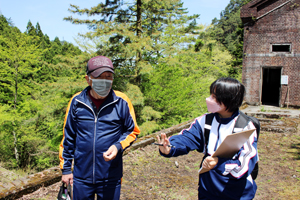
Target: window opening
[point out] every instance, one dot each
(281, 48)
(266, 4)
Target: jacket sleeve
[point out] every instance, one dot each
(243, 163)
(131, 129)
(187, 140)
(67, 145)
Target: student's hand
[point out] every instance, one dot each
(165, 149)
(210, 162)
(111, 153)
(68, 178)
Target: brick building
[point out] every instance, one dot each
(271, 64)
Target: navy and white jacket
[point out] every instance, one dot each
(87, 135)
(230, 178)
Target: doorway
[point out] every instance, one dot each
(271, 86)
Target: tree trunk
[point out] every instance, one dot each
(15, 107)
(139, 24)
(16, 85)
(15, 146)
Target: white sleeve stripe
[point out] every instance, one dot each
(244, 159)
(235, 130)
(195, 121)
(206, 126)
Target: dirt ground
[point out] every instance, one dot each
(147, 175)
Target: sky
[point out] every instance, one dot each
(50, 14)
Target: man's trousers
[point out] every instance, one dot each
(104, 191)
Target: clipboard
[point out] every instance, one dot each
(230, 145)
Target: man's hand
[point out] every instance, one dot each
(210, 162)
(111, 153)
(68, 178)
(165, 149)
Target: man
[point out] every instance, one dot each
(99, 124)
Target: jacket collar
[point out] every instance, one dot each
(83, 96)
(226, 120)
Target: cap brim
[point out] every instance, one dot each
(99, 71)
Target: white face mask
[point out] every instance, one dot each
(213, 106)
(101, 86)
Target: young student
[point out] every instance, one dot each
(227, 178)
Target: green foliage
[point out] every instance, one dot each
(30, 30)
(149, 114)
(50, 49)
(179, 85)
(148, 127)
(229, 31)
(20, 60)
(150, 120)
(142, 32)
(38, 123)
(34, 95)
(135, 94)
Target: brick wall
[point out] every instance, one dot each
(281, 26)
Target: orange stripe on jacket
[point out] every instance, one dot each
(136, 131)
(61, 147)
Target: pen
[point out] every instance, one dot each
(162, 145)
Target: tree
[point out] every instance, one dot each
(136, 36)
(69, 49)
(33, 96)
(30, 30)
(229, 31)
(134, 32)
(19, 58)
(38, 30)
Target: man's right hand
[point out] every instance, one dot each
(68, 178)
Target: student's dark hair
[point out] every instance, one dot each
(228, 91)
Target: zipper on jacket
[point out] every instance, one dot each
(106, 106)
(216, 145)
(94, 151)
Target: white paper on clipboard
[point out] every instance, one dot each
(231, 145)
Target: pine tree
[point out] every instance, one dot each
(133, 33)
(38, 30)
(136, 36)
(19, 58)
(30, 30)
